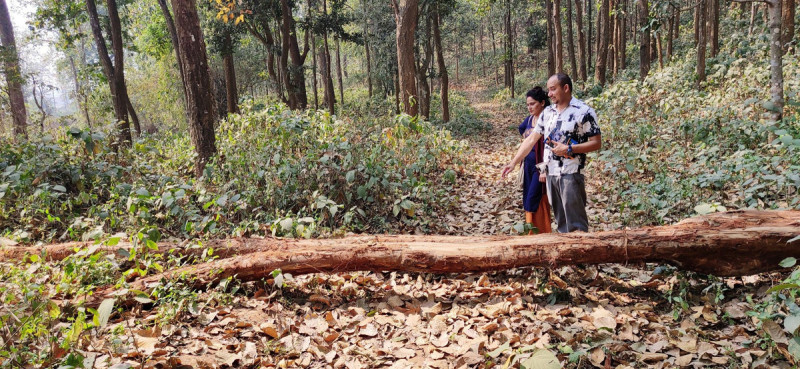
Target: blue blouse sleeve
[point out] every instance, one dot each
(523, 126)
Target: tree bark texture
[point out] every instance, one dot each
(789, 9)
(437, 42)
(701, 42)
(559, 40)
(231, 93)
(644, 44)
(13, 74)
(581, 40)
(724, 244)
(713, 25)
(551, 38)
(366, 34)
(200, 102)
(573, 61)
(424, 62)
(604, 36)
(113, 71)
(405, 12)
(508, 50)
(294, 75)
(339, 71)
(775, 61)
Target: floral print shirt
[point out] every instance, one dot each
(575, 124)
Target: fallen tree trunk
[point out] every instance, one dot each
(725, 244)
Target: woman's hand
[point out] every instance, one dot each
(542, 178)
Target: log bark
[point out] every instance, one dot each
(724, 244)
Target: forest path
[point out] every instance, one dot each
(488, 204)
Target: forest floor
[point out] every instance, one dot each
(607, 316)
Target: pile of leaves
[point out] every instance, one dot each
(576, 317)
(276, 171)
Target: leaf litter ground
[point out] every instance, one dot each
(608, 316)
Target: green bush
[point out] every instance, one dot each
(271, 165)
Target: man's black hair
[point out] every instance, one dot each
(537, 93)
(564, 80)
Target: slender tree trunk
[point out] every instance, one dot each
(551, 38)
(753, 8)
(571, 42)
(614, 51)
(200, 101)
(589, 6)
(508, 57)
(713, 24)
(313, 39)
(658, 51)
(339, 71)
(789, 10)
(423, 87)
(775, 62)
(697, 21)
(405, 12)
(114, 72)
(604, 34)
(644, 44)
(231, 93)
(173, 36)
(295, 76)
(670, 31)
(559, 41)
(437, 41)
(623, 42)
(366, 34)
(581, 40)
(13, 75)
(701, 43)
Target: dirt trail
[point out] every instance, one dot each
(488, 204)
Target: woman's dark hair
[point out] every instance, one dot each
(538, 94)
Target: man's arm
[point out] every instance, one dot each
(593, 144)
(524, 150)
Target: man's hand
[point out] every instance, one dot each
(560, 149)
(507, 169)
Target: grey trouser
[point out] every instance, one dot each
(567, 195)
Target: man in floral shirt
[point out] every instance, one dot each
(570, 130)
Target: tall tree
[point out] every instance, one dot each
(339, 70)
(559, 34)
(173, 36)
(328, 95)
(644, 38)
(604, 36)
(405, 13)
(201, 108)
(508, 49)
(231, 92)
(789, 9)
(365, 35)
(294, 76)
(13, 76)
(114, 72)
(424, 56)
(701, 41)
(437, 41)
(571, 42)
(582, 70)
(713, 26)
(551, 50)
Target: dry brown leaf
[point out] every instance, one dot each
(602, 318)
(686, 343)
(597, 356)
(369, 330)
(684, 360)
(404, 353)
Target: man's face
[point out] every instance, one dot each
(558, 94)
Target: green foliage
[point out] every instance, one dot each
(672, 151)
(272, 165)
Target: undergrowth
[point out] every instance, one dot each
(276, 171)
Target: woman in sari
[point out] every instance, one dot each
(534, 197)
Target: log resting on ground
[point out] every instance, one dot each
(725, 244)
